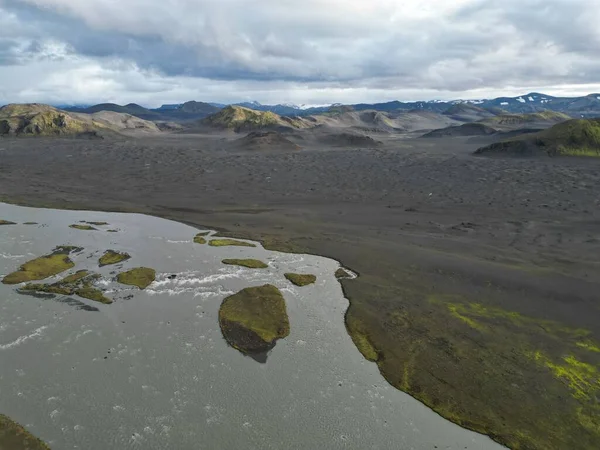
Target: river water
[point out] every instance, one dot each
(152, 371)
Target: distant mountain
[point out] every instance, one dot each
(44, 120)
(131, 108)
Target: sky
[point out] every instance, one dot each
(154, 52)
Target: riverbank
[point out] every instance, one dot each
(478, 278)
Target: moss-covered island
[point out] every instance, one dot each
(229, 243)
(111, 257)
(301, 279)
(43, 267)
(77, 226)
(97, 224)
(14, 437)
(249, 263)
(200, 238)
(6, 222)
(142, 277)
(79, 283)
(254, 319)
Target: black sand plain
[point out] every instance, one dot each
(479, 278)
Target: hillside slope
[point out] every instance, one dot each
(578, 137)
(238, 118)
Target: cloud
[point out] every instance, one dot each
(144, 50)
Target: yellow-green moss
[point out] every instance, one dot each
(67, 286)
(142, 277)
(254, 319)
(14, 437)
(589, 346)
(229, 242)
(83, 227)
(6, 222)
(74, 278)
(199, 239)
(249, 263)
(111, 257)
(93, 294)
(582, 378)
(361, 339)
(301, 279)
(40, 268)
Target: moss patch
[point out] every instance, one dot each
(6, 222)
(300, 279)
(14, 437)
(229, 242)
(98, 224)
(111, 257)
(254, 319)
(342, 273)
(83, 227)
(141, 277)
(199, 238)
(43, 267)
(249, 263)
(80, 283)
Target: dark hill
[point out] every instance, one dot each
(468, 129)
(580, 137)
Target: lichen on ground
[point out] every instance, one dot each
(249, 263)
(6, 222)
(43, 267)
(301, 279)
(111, 257)
(254, 319)
(229, 242)
(14, 437)
(142, 277)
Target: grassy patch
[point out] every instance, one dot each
(249, 263)
(83, 227)
(301, 279)
(6, 222)
(229, 242)
(111, 257)
(142, 277)
(98, 224)
(14, 437)
(42, 267)
(79, 283)
(254, 319)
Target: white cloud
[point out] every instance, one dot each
(314, 51)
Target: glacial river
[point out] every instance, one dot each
(152, 370)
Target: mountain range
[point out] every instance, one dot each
(585, 106)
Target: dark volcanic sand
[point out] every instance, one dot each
(433, 231)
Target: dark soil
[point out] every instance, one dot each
(478, 277)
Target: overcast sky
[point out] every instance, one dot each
(300, 51)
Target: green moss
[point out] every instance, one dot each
(6, 222)
(70, 285)
(582, 378)
(91, 293)
(199, 238)
(14, 437)
(142, 277)
(249, 263)
(41, 268)
(111, 257)
(300, 279)
(589, 346)
(98, 224)
(83, 227)
(254, 319)
(361, 339)
(74, 278)
(229, 242)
